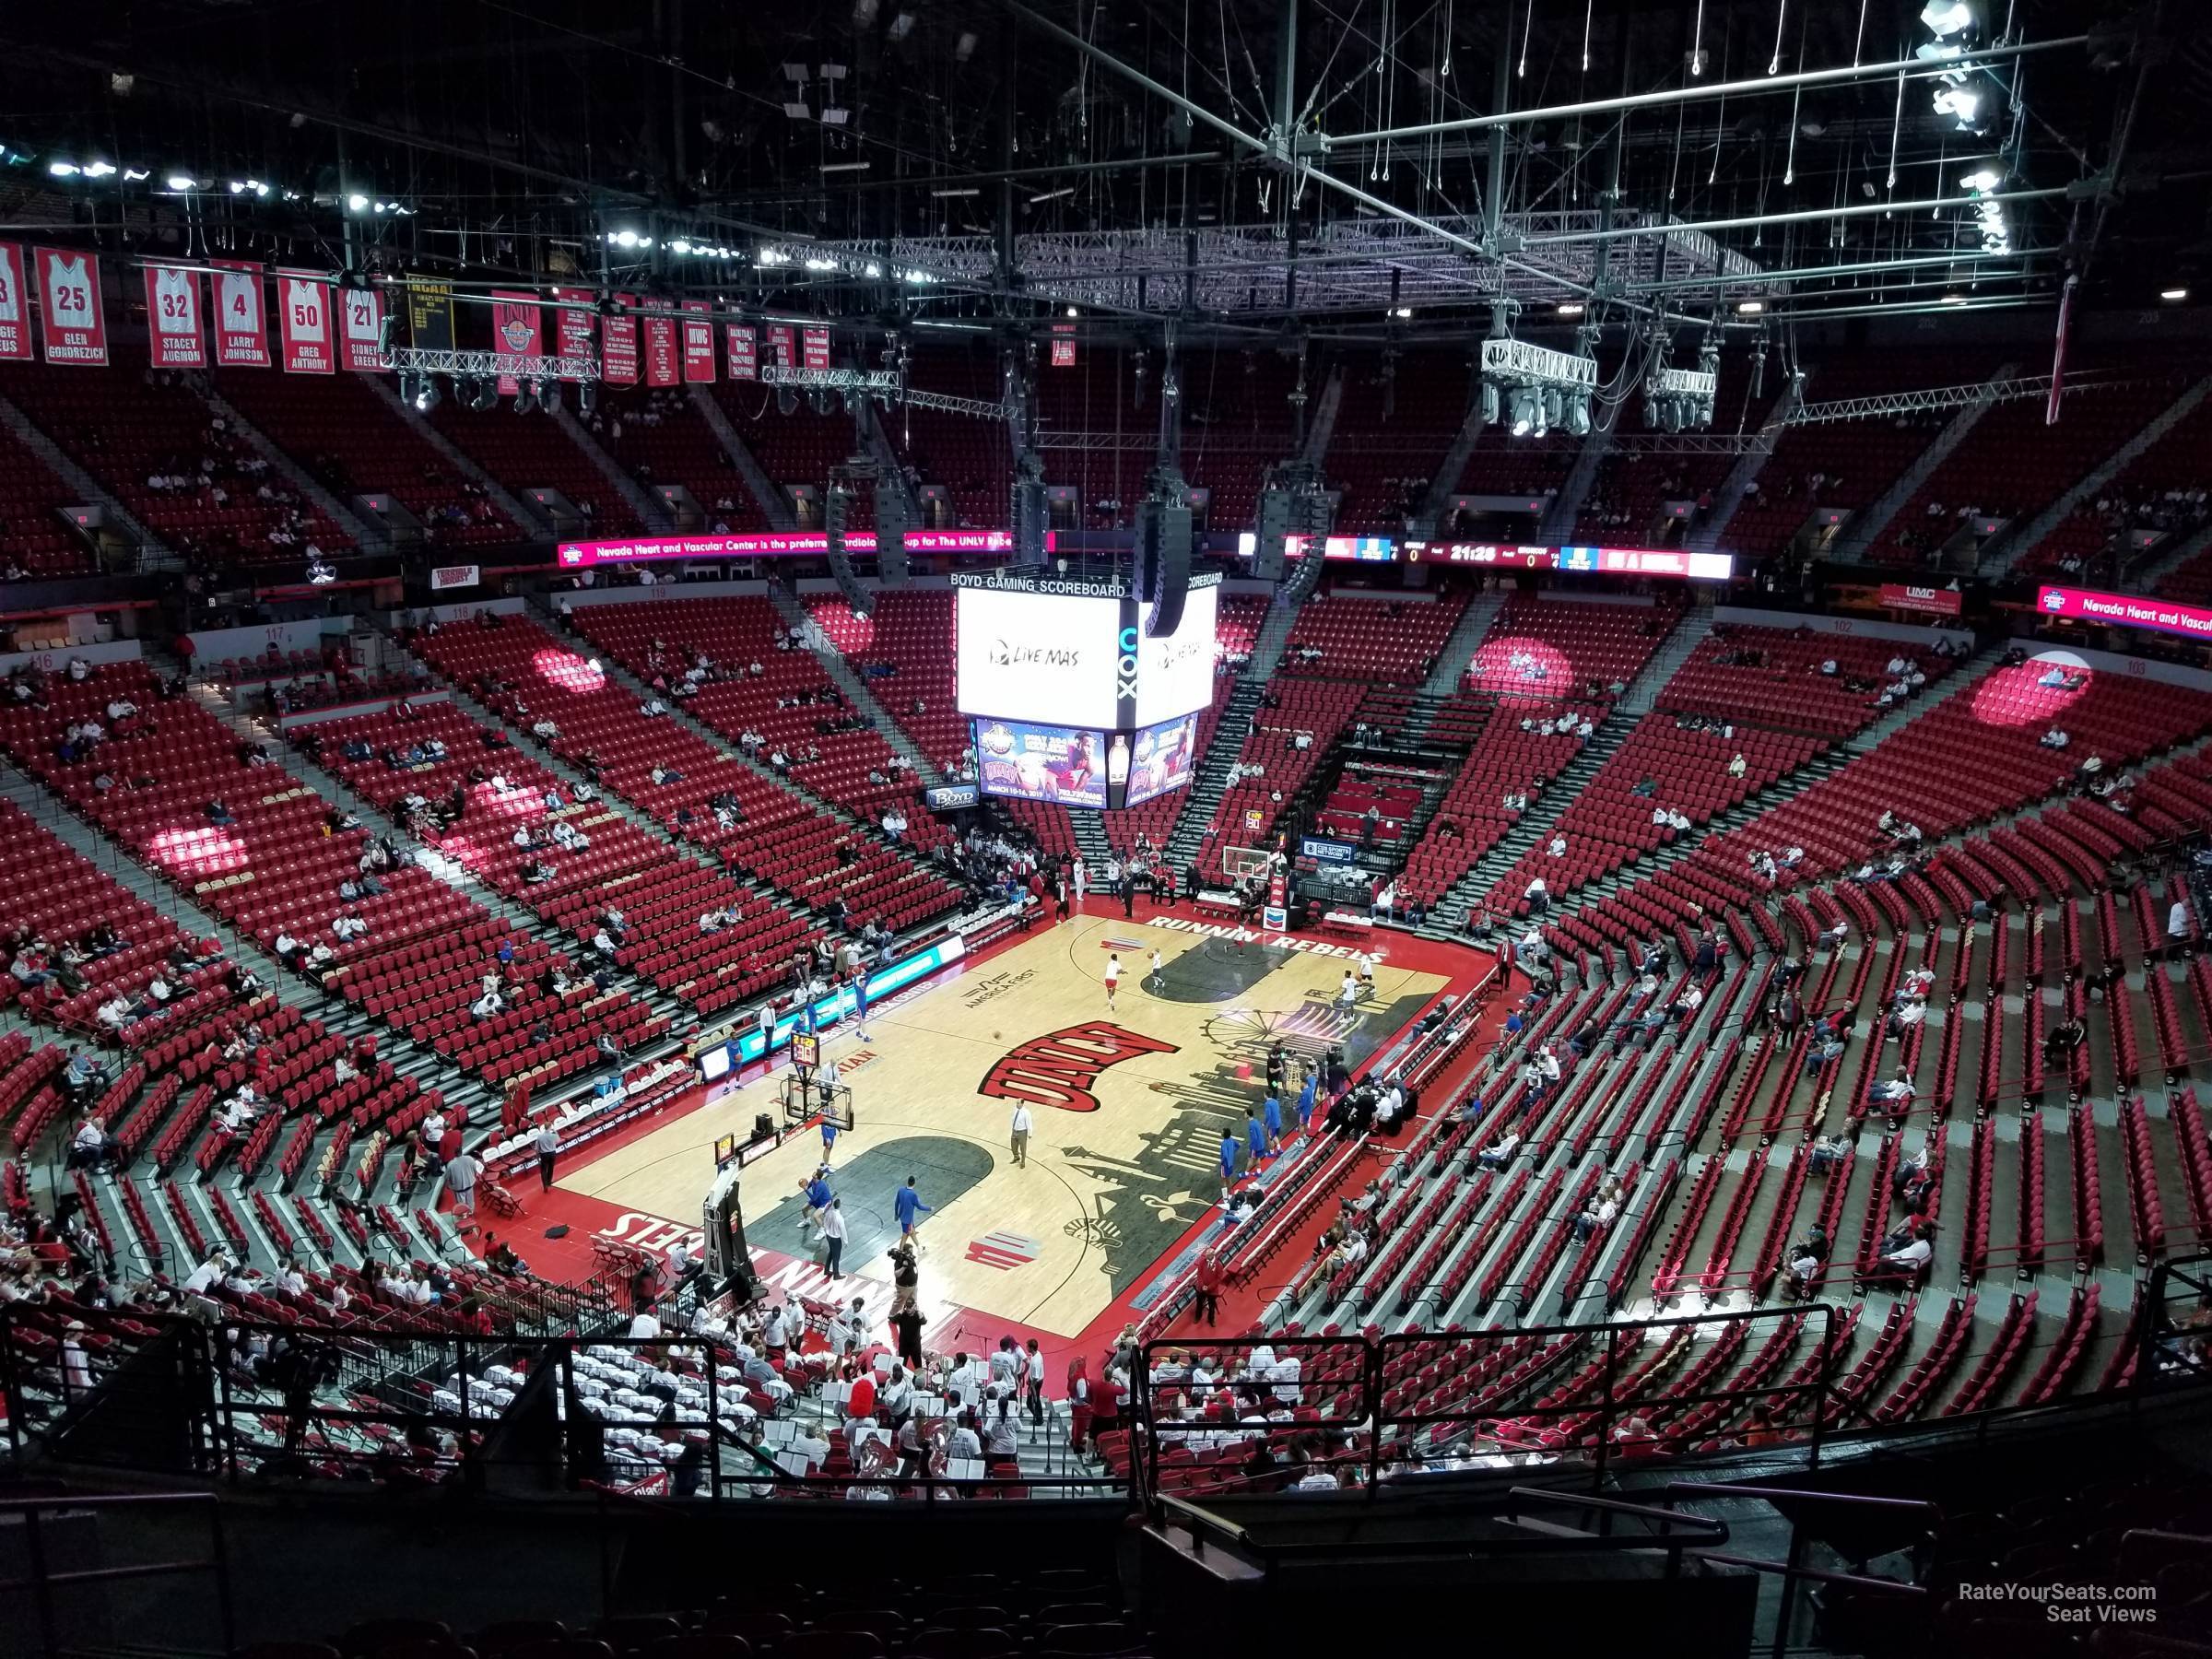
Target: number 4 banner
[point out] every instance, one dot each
(173, 318)
(14, 305)
(304, 311)
(241, 323)
(73, 327)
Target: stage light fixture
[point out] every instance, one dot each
(1553, 409)
(357, 203)
(587, 398)
(2173, 296)
(1944, 19)
(426, 394)
(1578, 414)
(179, 181)
(1527, 407)
(548, 394)
(1489, 403)
(526, 400)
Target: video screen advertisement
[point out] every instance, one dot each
(1074, 655)
(1162, 759)
(1059, 765)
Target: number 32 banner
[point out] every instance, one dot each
(173, 318)
(303, 307)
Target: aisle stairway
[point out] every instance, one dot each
(853, 686)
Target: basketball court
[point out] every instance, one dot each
(1128, 1105)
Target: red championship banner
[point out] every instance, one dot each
(664, 365)
(518, 324)
(699, 341)
(1063, 345)
(818, 348)
(175, 337)
(305, 325)
(361, 327)
(619, 344)
(745, 352)
(241, 322)
(573, 325)
(15, 305)
(1933, 602)
(71, 323)
(782, 346)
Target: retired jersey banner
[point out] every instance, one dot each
(14, 305)
(241, 323)
(699, 341)
(517, 331)
(745, 352)
(619, 344)
(175, 338)
(782, 346)
(664, 366)
(361, 321)
(72, 324)
(818, 348)
(572, 325)
(305, 325)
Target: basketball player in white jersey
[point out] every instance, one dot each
(1113, 977)
(1152, 980)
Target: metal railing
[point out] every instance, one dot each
(43, 1578)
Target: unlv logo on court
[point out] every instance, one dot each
(1060, 1067)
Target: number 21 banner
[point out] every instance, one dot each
(74, 328)
(241, 323)
(361, 314)
(304, 312)
(173, 318)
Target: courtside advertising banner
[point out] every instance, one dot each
(517, 331)
(14, 305)
(361, 323)
(664, 365)
(2126, 610)
(72, 326)
(574, 326)
(699, 341)
(619, 344)
(304, 322)
(175, 339)
(745, 352)
(242, 324)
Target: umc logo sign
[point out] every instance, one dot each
(1061, 1067)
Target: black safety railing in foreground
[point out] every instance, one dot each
(44, 1578)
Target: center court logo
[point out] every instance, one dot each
(1061, 1067)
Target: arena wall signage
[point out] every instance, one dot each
(722, 1059)
(1928, 601)
(578, 556)
(2126, 610)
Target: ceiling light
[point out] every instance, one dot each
(179, 181)
(964, 48)
(1052, 196)
(236, 188)
(965, 191)
(1749, 308)
(62, 169)
(357, 203)
(1402, 312)
(1943, 17)
(1962, 102)
(132, 175)
(843, 167)
(1072, 311)
(1987, 179)
(1570, 308)
(99, 169)
(815, 263)
(2173, 296)
(872, 269)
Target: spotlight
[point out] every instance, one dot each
(1489, 403)
(426, 394)
(1945, 18)
(357, 203)
(1549, 410)
(408, 383)
(1670, 414)
(62, 169)
(1962, 102)
(1527, 410)
(99, 169)
(525, 401)
(1749, 308)
(1572, 308)
(2173, 296)
(587, 398)
(548, 394)
(179, 181)
(1981, 181)
(486, 396)
(1578, 414)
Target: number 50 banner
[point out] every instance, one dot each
(303, 314)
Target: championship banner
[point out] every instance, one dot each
(664, 366)
(517, 331)
(1063, 346)
(782, 346)
(818, 348)
(362, 319)
(241, 323)
(14, 305)
(443, 577)
(429, 313)
(619, 344)
(572, 326)
(698, 341)
(745, 352)
(1933, 602)
(175, 339)
(304, 323)
(71, 322)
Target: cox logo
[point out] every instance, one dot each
(1124, 668)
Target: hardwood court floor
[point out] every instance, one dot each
(1128, 1107)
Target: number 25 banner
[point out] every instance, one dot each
(303, 313)
(74, 329)
(173, 318)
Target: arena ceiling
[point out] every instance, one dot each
(1240, 165)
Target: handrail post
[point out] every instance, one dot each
(220, 1552)
(34, 1543)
